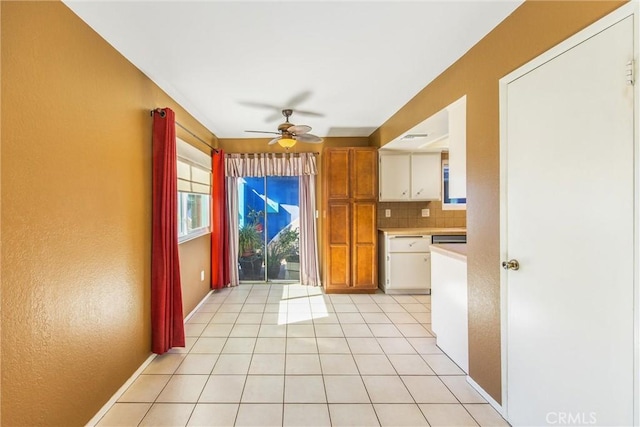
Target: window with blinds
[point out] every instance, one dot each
(194, 192)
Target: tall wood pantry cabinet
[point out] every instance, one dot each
(350, 183)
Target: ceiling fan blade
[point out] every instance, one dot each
(273, 117)
(298, 99)
(307, 113)
(259, 105)
(262, 131)
(274, 140)
(299, 129)
(309, 138)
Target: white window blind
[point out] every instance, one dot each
(194, 190)
(194, 169)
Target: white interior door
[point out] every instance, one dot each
(568, 212)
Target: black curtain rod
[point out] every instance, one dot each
(163, 114)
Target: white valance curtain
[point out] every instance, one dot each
(269, 164)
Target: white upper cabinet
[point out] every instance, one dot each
(425, 176)
(394, 177)
(409, 176)
(458, 149)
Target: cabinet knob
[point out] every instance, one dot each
(420, 191)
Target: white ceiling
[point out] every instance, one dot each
(354, 63)
(430, 135)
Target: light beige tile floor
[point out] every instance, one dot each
(288, 355)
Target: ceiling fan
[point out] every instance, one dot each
(289, 134)
(291, 103)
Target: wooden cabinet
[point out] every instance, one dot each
(350, 214)
(410, 176)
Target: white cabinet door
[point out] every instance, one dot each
(394, 182)
(409, 270)
(425, 176)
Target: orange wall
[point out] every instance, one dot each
(532, 29)
(75, 182)
(195, 257)
(76, 215)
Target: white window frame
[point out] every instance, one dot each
(196, 159)
(449, 206)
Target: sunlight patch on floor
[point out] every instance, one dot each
(301, 304)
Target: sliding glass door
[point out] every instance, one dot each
(269, 228)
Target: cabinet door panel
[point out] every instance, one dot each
(364, 174)
(426, 170)
(364, 266)
(395, 177)
(338, 245)
(337, 173)
(409, 270)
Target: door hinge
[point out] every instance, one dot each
(630, 73)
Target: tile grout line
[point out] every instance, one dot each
(329, 302)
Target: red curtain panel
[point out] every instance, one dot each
(167, 320)
(219, 225)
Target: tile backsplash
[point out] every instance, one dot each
(408, 214)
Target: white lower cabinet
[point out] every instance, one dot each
(405, 263)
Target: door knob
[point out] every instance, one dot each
(512, 264)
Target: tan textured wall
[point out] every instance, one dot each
(260, 145)
(76, 200)
(1, 331)
(532, 29)
(195, 257)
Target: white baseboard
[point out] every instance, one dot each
(101, 413)
(486, 396)
(197, 306)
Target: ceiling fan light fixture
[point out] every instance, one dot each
(287, 142)
(290, 134)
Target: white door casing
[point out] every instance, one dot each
(569, 216)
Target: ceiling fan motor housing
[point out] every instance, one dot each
(284, 126)
(290, 133)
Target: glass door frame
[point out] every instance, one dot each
(284, 243)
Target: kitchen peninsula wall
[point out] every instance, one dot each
(408, 214)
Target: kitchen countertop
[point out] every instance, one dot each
(423, 230)
(454, 250)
